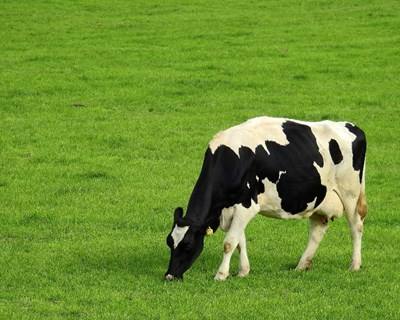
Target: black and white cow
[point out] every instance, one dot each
(280, 168)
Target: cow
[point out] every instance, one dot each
(279, 168)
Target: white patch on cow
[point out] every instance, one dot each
(252, 133)
(225, 219)
(177, 234)
(248, 185)
(341, 177)
(311, 205)
(269, 201)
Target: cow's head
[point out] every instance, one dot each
(186, 243)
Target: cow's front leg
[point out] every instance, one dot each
(318, 227)
(241, 218)
(230, 243)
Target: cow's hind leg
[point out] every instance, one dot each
(318, 227)
(234, 236)
(244, 264)
(356, 224)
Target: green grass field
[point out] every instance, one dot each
(106, 109)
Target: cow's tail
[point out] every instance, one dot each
(362, 207)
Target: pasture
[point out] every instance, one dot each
(105, 114)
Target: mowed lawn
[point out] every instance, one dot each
(106, 108)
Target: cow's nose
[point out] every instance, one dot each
(169, 277)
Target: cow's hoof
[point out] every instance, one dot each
(220, 276)
(243, 272)
(355, 267)
(304, 266)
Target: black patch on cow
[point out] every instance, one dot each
(359, 148)
(300, 183)
(335, 152)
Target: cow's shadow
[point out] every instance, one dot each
(152, 262)
(288, 267)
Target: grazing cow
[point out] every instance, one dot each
(280, 168)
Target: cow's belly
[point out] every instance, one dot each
(332, 206)
(270, 206)
(280, 214)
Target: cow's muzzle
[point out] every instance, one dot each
(169, 277)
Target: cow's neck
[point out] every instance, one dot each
(199, 206)
(200, 210)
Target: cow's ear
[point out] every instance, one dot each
(178, 216)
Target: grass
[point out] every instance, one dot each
(105, 112)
